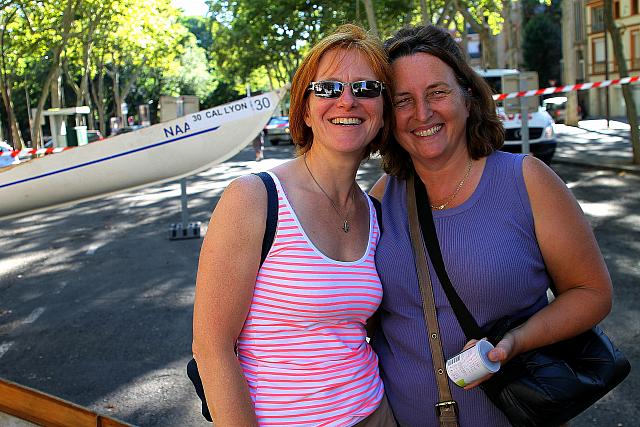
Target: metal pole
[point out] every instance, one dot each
(184, 230)
(524, 117)
(183, 202)
(606, 76)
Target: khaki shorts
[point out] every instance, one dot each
(381, 417)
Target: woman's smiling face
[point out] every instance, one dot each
(429, 107)
(346, 123)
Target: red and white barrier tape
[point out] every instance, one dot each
(567, 88)
(33, 151)
(496, 97)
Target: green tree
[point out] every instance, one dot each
(93, 19)
(143, 38)
(8, 59)
(59, 33)
(200, 27)
(27, 31)
(254, 38)
(541, 45)
(485, 17)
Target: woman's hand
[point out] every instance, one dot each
(502, 353)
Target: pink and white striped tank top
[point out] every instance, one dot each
(303, 347)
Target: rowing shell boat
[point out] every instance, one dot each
(151, 155)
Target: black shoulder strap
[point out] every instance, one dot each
(465, 319)
(378, 206)
(272, 213)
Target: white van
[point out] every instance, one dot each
(542, 139)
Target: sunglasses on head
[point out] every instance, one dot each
(359, 89)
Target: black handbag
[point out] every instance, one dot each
(546, 386)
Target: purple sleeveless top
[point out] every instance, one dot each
(492, 256)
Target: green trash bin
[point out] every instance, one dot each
(81, 135)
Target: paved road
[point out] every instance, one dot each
(96, 302)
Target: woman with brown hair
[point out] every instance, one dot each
(507, 226)
(298, 319)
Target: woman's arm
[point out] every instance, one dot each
(227, 269)
(574, 262)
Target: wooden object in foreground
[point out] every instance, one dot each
(30, 405)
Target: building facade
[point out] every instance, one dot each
(600, 62)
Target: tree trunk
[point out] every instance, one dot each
(465, 39)
(510, 29)
(76, 89)
(97, 94)
(569, 62)
(67, 19)
(15, 136)
(425, 13)
(84, 82)
(121, 93)
(618, 52)
(371, 17)
(486, 41)
(117, 100)
(446, 7)
(2, 138)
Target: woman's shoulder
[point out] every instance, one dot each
(247, 186)
(244, 201)
(541, 178)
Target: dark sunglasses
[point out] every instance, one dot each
(359, 89)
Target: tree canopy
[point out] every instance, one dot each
(110, 53)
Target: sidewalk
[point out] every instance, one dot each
(593, 144)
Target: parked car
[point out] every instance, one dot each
(277, 130)
(542, 138)
(6, 160)
(94, 135)
(557, 108)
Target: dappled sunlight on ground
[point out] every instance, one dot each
(601, 210)
(601, 124)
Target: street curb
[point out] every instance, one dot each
(633, 169)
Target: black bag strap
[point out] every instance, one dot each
(272, 214)
(267, 241)
(465, 319)
(378, 206)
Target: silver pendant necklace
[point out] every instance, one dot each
(345, 224)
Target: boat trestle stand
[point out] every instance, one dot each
(185, 229)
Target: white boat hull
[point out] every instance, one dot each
(152, 155)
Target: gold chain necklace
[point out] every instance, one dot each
(345, 225)
(457, 190)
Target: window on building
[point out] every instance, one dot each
(598, 55)
(580, 74)
(635, 50)
(578, 12)
(634, 7)
(597, 19)
(616, 9)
